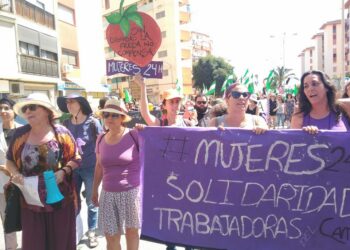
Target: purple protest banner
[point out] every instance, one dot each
(152, 70)
(233, 189)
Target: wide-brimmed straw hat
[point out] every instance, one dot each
(171, 94)
(116, 106)
(85, 106)
(254, 98)
(38, 99)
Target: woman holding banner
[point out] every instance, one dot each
(237, 99)
(171, 105)
(118, 167)
(317, 105)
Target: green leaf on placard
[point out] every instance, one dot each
(136, 18)
(125, 26)
(114, 18)
(130, 9)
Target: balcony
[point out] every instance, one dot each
(35, 14)
(38, 66)
(184, 17)
(185, 36)
(6, 5)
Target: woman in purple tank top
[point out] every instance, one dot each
(317, 105)
(118, 168)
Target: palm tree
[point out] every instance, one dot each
(281, 76)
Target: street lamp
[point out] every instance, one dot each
(284, 34)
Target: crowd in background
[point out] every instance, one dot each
(94, 148)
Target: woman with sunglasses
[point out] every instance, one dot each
(317, 107)
(118, 167)
(237, 99)
(85, 129)
(37, 147)
(7, 130)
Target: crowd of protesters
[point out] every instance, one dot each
(94, 148)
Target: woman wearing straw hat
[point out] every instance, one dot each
(118, 167)
(171, 104)
(85, 129)
(39, 146)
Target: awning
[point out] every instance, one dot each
(72, 83)
(102, 88)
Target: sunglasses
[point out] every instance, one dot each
(201, 102)
(31, 107)
(237, 95)
(4, 109)
(108, 114)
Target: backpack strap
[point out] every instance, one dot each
(135, 141)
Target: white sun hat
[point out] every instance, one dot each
(38, 99)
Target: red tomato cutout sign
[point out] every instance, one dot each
(140, 44)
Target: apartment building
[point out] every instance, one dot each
(332, 48)
(309, 58)
(318, 59)
(28, 47)
(202, 45)
(82, 61)
(173, 17)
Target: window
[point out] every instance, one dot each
(29, 49)
(162, 53)
(160, 14)
(163, 34)
(334, 57)
(69, 57)
(165, 72)
(66, 14)
(107, 4)
(48, 55)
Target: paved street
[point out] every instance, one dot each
(83, 244)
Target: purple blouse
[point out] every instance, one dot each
(328, 123)
(120, 163)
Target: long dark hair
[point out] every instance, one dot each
(345, 94)
(304, 104)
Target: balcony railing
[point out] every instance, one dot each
(35, 14)
(38, 66)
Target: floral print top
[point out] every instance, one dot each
(39, 158)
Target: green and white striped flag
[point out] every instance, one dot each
(205, 90)
(211, 90)
(229, 80)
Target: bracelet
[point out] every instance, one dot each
(65, 172)
(70, 168)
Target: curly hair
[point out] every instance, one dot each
(305, 106)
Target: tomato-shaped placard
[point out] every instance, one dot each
(133, 35)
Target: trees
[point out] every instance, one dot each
(209, 69)
(281, 76)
